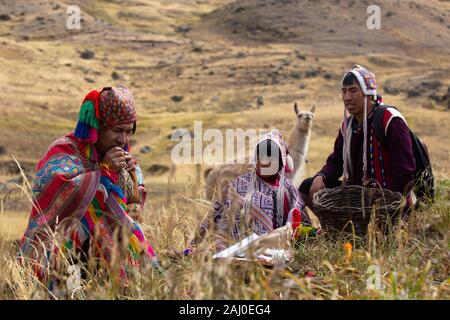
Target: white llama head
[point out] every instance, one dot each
(304, 118)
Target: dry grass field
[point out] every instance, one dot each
(219, 57)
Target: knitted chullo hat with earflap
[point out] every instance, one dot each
(102, 110)
(366, 80)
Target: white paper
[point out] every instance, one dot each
(237, 249)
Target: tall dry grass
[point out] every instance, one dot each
(413, 262)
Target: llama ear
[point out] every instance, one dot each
(296, 108)
(313, 109)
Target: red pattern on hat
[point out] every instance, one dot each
(366, 79)
(116, 107)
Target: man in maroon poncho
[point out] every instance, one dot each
(358, 157)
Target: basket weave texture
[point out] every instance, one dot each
(340, 208)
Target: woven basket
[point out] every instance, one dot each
(338, 209)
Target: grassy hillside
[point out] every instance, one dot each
(220, 57)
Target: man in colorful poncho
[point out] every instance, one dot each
(358, 156)
(85, 188)
(258, 201)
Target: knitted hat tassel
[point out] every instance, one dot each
(88, 124)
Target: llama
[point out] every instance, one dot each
(216, 178)
(298, 142)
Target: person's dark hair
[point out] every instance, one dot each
(350, 79)
(267, 145)
(134, 127)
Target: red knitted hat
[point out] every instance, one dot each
(116, 107)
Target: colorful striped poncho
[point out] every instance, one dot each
(76, 201)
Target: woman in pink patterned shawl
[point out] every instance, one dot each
(258, 201)
(86, 187)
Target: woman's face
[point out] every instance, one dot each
(267, 167)
(268, 157)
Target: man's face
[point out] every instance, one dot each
(353, 98)
(117, 136)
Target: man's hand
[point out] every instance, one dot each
(130, 162)
(370, 183)
(317, 184)
(135, 212)
(115, 159)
